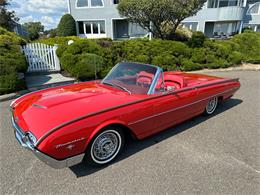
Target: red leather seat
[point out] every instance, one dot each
(176, 81)
(144, 78)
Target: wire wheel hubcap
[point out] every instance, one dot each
(106, 146)
(211, 106)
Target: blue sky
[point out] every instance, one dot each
(48, 12)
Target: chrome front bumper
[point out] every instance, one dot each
(57, 164)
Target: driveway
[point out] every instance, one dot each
(216, 155)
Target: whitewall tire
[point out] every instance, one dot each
(105, 146)
(211, 106)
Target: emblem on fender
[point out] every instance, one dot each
(70, 144)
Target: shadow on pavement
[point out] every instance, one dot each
(132, 147)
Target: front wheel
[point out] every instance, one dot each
(106, 146)
(211, 106)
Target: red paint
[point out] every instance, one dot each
(62, 104)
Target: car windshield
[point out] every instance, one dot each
(132, 77)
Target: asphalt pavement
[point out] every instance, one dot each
(205, 155)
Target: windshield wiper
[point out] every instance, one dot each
(116, 85)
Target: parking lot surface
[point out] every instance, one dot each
(205, 155)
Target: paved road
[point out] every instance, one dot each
(217, 155)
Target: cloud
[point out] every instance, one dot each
(16, 5)
(48, 12)
(49, 21)
(27, 19)
(47, 6)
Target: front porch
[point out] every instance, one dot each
(222, 30)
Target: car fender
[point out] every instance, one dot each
(101, 126)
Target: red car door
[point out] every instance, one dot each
(175, 108)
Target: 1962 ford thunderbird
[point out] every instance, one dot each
(89, 120)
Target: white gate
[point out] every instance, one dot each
(41, 57)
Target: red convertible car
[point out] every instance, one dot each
(90, 120)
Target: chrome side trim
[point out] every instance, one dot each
(131, 103)
(178, 108)
(57, 164)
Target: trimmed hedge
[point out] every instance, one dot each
(85, 66)
(198, 53)
(67, 26)
(12, 61)
(248, 44)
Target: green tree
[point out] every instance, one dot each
(34, 29)
(157, 16)
(67, 26)
(51, 33)
(7, 18)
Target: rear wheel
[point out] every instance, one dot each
(211, 106)
(105, 146)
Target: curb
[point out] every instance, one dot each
(11, 96)
(238, 68)
(7, 97)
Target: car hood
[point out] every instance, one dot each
(42, 111)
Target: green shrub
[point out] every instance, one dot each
(67, 26)
(188, 65)
(167, 62)
(199, 53)
(256, 60)
(83, 66)
(58, 40)
(197, 39)
(218, 63)
(249, 45)
(142, 59)
(10, 83)
(68, 60)
(247, 30)
(235, 57)
(12, 61)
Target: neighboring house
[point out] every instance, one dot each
(218, 18)
(20, 30)
(100, 19)
(225, 17)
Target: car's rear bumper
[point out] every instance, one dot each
(57, 164)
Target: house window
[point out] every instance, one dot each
(89, 3)
(81, 27)
(82, 3)
(227, 3)
(255, 9)
(88, 27)
(115, 1)
(226, 28)
(96, 3)
(95, 27)
(102, 27)
(224, 3)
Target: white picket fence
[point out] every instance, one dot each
(41, 57)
